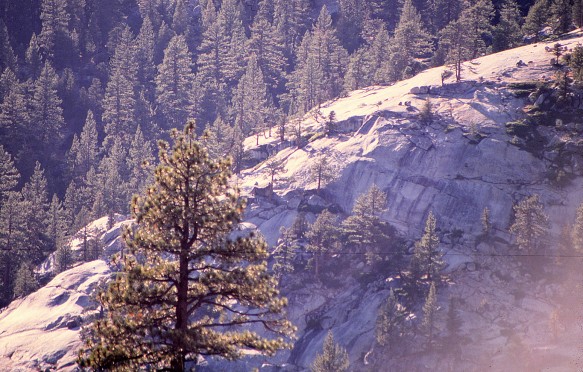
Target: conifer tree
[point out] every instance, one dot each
(186, 289)
(411, 41)
(268, 47)
(530, 223)
(576, 64)
(321, 171)
(322, 237)
(356, 77)
(578, 13)
(477, 18)
(33, 58)
(561, 15)
(379, 59)
(291, 18)
(12, 242)
(218, 138)
(250, 99)
(7, 56)
(119, 104)
(56, 223)
(84, 150)
(114, 178)
(285, 253)
(174, 83)
(389, 324)
(486, 223)
(536, 19)
(9, 175)
(145, 43)
(429, 315)
(140, 163)
(365, 229)
(444, 12)
(456, 45)
(47, 114)
(14, 113)
(55, 22)
(507, 33)
(35, 204)
(427, 255)
(24, 282)
(333, 358)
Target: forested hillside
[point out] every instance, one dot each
(87, 87)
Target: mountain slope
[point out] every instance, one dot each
(516, 313)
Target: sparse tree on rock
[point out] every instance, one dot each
(333, 358)
(186, 288)
(427, 255)
(321, 171)
(389, 325)
(430, 315)
(486, 223)
(530, 223)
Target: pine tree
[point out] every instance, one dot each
(119, 104)
(24, 282)
(218, 139)
(84, 150)
(411, 41)
(334, 357)
(456, 45)
(273, 168)
(576, 64)
(389, 324)
(33, 58)
(9, 175)
(352, 17)
(56, 223)
(578, 13)
(507, 33)
(536, 19)
(47, 114)
(140, 163)
(285, 253)
(186, 289)
(35, 204)
(428, 256)
(319, 73)
(379, 57)
(444, 12)
(174, 83)
(250, 99)
(267, 45)
(291, 20)
(364, 228)
(530, 223)
(12, 242)
(7, 56)
(145, 43)
(453, 324)
(561, 15)
(478, 18)
(430, 309)
(322, 237)
(55, 22)
(321, 171)
(114, 178)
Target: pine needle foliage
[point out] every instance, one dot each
(186, 288)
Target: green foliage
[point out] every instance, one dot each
(25, 282)
(63, 258)
(333, 357)
(429, 320)
(390, 322)
(186, 288)
(537, 18)
(576, 63)
(530, 223)
(322, 237)
(364, 228)
(428, 258)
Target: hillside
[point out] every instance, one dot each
(517, 313)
